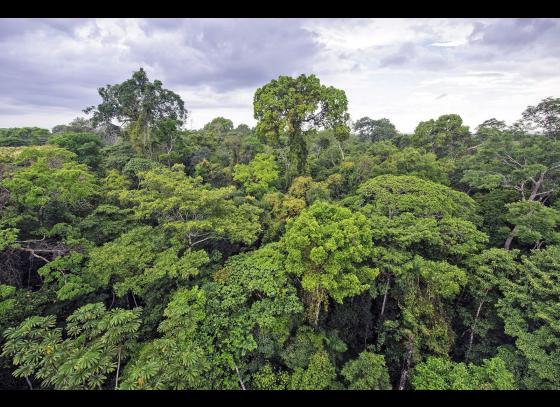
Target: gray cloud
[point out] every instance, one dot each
(512, 34)
(405, 54)
(45, 62)
(236, 53)
(56, 65)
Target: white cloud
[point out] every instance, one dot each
(394, 68)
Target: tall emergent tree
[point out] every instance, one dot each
(290, 108)
(140, 106)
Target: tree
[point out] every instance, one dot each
(423, 237)
(194, 212)
(446, 136)
(174, 361)
(140, 105)
(86, 146)
(96, 344)
(530, 311)
(319, 375)
(375, 130)
(544, 117)
(257, 176)
(137, 259)
(46, 192)
(441, 374)
(23, 136)
(288, 109)
(78, 125)
(367, 372)
(534, 223)
(328, 248)
(487, 272)
(512, 161)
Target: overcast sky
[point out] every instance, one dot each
(407, 70)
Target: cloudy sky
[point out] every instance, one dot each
(407, 70)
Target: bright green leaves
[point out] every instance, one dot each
(534, 222)
(7, 302)
(193, 211)
(166, 364)
(442, 374)
(8, 237)
(367, 372)
(211, 333)
(328, 248)
(140, 257)
(444, 279)
(528, 166)
(45, 188)
(251, 306)
(318, 375)
(257, 176)
(288, 108)
(375, 130)
(50, 177)
(392, 195)
(97, 341)
(175, 361)
(423, 234)
(32, 345)
(531, 312)
(413, 162)
(183, 313)
(65, 275)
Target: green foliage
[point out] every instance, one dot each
(174, 361)
(367, 372)
(446, 136)
(290, 108)
(530, 311)
(86, 146)
(296, 255)
(192, 211)
(534, 222)
(375, 130)
(138, 258)
(441, 374)
(257, 176)
(23, 136)
(144, 106)
(319, 374)
(327, 249)
(97, 340)
(393, 195)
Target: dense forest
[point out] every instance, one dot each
(309, 252)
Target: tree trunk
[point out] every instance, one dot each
(29, 383)
(118, 368)
(509, 239)
(318, 301)
(534, 193)
(239, 376)
(471, 336)
(384, 299)
(341, 150)
(406, 365)
(536, 186)
(134, 299)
